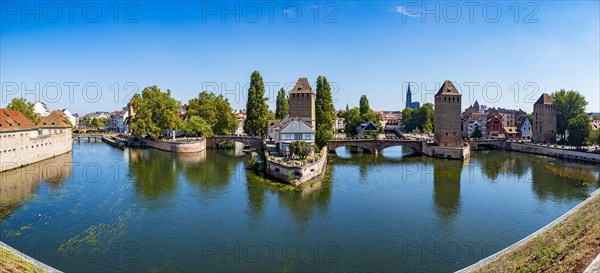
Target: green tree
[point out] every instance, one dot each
(282, 107)
(364, 105)
(569, 104)
(595, 137)
(256, 106)
(352, 120)
(424, 118)
(86, 120)
(215, 110)
(325, 112)
(476, 133)
(301, 148)
(95, 123)
(155, 111)
(579, 130)
(26, 108)
(407, 120)
(197, 126)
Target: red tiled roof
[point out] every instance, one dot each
(54, 120)
(11, 120)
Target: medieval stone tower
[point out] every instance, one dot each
(302, 102)
(447, 116)
(544, 120)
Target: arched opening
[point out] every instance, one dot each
(234, 148)
(397, 152)
(350, 151)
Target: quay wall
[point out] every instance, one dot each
(21, 148)
(178, 146)
(553, 152)
(446, 152)
(302, 173)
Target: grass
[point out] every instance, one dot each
(10, 263)
(570, 246)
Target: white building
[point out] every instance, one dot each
(294, 130)
(41, 109)
(24, 143)
(70, 117)
(524, 126)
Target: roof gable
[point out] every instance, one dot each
(296, 126)
(54, 120)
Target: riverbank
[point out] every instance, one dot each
(12, 260)
(568, 244)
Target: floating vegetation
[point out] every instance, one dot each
(94, 235)
(18, 232)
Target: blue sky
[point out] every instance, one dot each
(93, 63)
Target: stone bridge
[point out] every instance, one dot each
(252, 142)
(375, 145)
(488, 143)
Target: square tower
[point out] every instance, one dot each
(544, 120)
(447, 116)
(302, 102)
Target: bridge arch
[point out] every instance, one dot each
(374, 145)
(253, 142)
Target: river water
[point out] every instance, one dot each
(104, 209)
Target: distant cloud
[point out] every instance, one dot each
(410, 13)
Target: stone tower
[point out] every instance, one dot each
(302, 102)
(447, 116)
(544, 120)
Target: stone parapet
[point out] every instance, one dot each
(187, 146)
(297, 174)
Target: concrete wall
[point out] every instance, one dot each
(446, 152)
(281, 171)
(191, 146)
(554, 152)
(21, 148)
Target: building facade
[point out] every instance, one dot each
(544, 120)
(295, 130)
(447, 116)
(24, 143)
(525, 128)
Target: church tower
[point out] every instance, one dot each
(447, 116)
(408, 97)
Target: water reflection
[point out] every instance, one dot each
(302, 203)
(211, 176)
(18, 185)
(549, 178)
(154, 173)
(446, 188)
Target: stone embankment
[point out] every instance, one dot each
(179, 146)
(553, 152)
(295, 172)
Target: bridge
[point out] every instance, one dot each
(375, 145)
(88, 137)
(499, 144)
(251, 141)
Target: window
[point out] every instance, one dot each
(297, 136)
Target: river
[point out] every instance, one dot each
(105, 209)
